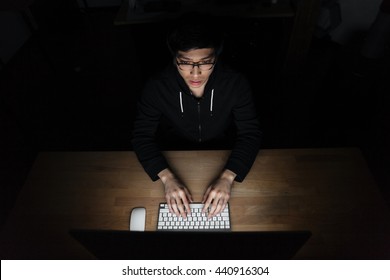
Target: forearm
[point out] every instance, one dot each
(147, 150)
(243, 156)
(152, 160)
(248, 137)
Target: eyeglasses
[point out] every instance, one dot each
(189, 66)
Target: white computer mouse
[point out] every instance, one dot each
(137, 219)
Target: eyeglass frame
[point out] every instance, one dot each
(193, 64)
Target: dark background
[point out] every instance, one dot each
(74, 85)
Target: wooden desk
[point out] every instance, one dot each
(328, 191)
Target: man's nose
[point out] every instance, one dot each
(196, 70)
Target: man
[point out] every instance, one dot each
(194, 102)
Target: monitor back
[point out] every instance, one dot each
(150, 245)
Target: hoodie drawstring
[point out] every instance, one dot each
(181, 104)
(211, 102)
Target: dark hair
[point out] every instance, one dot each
(195, 31)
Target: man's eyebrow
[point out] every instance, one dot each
(188, 58)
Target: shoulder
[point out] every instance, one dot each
(231, 77)
(225, 70)
(161, 75)
(164, 79)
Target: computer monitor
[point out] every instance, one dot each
(150, 245)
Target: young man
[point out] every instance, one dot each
(194, 102)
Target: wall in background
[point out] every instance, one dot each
(357, 16)
(99, 3)
(14, 32)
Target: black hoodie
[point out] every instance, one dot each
(167, 107)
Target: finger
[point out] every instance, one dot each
(181, 209)
(183, 202)
(215, 207)
(207, 199)
(169, 205)
(187, 198)
(174, 207)
(188, 195)
(223, 206)
(207, 204)
(187, 207)
(219, 208)
(206, 194)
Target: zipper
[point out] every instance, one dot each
(200, 126)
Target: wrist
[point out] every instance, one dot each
(228, 175)
(165, 175)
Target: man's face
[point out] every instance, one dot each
(196, 76)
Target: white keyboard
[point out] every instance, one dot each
(195, 221)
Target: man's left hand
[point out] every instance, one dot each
(217, 194)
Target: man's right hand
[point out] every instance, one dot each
(177, 195)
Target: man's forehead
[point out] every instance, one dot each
(196, 53)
